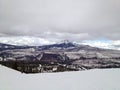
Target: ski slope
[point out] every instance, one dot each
(97, 79)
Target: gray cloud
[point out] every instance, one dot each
(61, 19)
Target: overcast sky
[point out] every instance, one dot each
(55, 20)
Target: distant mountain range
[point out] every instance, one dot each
(10, 47)
(70, 55)
(65, 46)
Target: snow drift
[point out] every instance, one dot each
(96, 79)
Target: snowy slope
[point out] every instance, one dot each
(104, 79)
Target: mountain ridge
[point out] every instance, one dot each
(65, 56)
(62, 44)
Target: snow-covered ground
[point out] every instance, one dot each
(97, 79)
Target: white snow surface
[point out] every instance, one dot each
(96, 79)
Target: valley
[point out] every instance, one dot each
(66, 56)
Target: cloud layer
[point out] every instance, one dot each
(54, 20)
